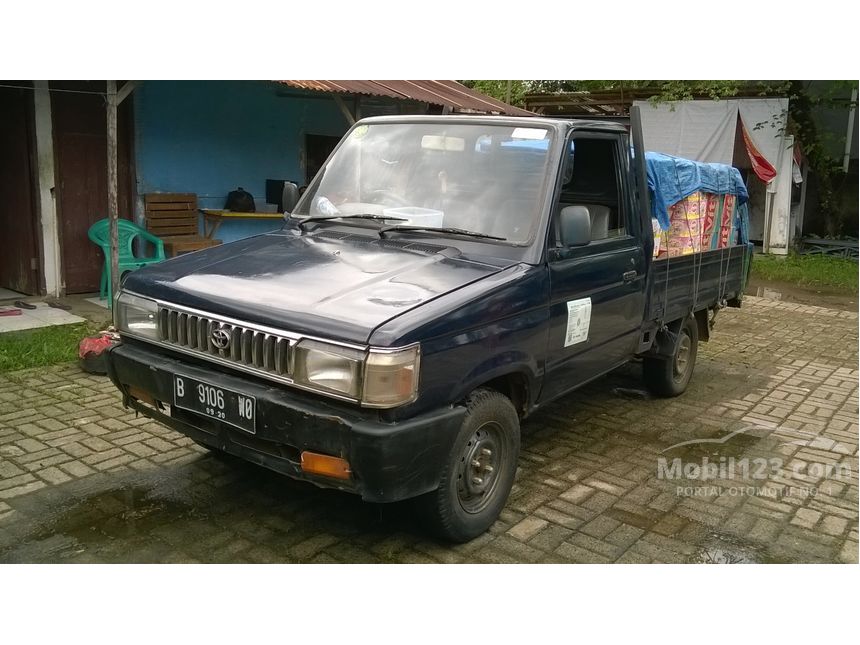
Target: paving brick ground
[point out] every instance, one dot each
(82, 480)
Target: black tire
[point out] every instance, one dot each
(479, 472)
(670, 376)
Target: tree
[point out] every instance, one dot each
(664, 90)
(499, 89)
(828, 173)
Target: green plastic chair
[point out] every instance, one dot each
(99, 234)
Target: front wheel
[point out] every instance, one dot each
(479, 472)
(669, 376)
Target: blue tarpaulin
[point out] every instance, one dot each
(671, 179)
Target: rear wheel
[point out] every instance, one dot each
(669, 376)
(479, 472)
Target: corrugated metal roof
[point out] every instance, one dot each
(447, 93)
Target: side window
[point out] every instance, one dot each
(592, 179)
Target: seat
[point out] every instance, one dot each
(99, 234)
(599, 221)
(175, 219)
(599, 216)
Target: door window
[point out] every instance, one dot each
(591, 178)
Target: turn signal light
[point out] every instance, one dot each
(325, 465)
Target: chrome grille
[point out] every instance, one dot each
(248, 347)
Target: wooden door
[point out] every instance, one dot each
(19, 247)
(80, 150)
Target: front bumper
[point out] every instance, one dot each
(389, 461)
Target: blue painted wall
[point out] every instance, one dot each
(209, 137)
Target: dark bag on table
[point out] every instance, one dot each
(239, 201)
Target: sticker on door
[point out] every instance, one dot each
(578, 321)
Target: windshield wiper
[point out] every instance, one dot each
(440, 229)
(326, 218)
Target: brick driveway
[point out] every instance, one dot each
(82, 480)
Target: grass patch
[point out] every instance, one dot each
(807, 271)
(43, 345)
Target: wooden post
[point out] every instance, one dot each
(801, 206)
(344, 110)
(113, 209)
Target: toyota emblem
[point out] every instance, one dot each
(220, 338)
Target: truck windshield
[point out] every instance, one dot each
(477, 177)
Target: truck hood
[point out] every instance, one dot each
(327, 283)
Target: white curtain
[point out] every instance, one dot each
(697, 130)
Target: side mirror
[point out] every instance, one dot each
(575, 226)
(290, 197)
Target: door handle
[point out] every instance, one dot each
(629, 276)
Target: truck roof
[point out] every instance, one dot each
(562, 125)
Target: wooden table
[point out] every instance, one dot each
(212, 219)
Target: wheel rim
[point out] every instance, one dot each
(480, 464)
(682, 356)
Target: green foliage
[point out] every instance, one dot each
(808, 271)
(663, 90)
(499, 90)
(827, 170)
(42, 346)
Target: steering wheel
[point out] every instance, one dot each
(380, 196)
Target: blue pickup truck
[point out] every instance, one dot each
(441, 279)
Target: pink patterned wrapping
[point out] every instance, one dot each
(701, 222)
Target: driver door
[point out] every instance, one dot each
(597, 290)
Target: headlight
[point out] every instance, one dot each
(379, 378)
(329, 368)
(137, 316)
(391, 377)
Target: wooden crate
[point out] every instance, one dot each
(175, 219)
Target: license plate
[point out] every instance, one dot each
(216, 402)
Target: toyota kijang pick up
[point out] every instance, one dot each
(441, 278)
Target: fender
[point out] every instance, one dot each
(500, 366)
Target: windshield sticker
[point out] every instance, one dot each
(528, 133)
(578, 321)
(359, 132)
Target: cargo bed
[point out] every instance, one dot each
(679, 285)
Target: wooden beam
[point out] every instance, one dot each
(346, 113)
(125, 90)
(113, 210)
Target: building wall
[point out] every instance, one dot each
(210, 137)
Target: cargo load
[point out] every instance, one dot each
(695, 206)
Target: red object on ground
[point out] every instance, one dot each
(10, 312)
(94, 345)
(91, 352)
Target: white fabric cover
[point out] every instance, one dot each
(705, 130)
(697, 130)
